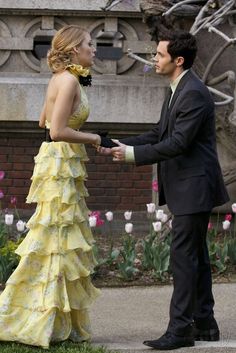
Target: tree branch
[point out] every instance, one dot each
(183, 2)
(229, 75)
(214, 17)
(199, 17)
(228, 99)
(221, 34)
(213, 60)
(131, 55)
(110, 4)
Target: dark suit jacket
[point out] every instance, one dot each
(183, 144)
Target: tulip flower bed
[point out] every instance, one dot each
(137, 256)
(131, 248)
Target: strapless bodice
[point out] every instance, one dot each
(80, 115)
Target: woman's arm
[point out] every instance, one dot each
(59, 131)
(42, 117)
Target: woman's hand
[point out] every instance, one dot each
(96, 141)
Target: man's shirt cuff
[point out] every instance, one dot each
(129, 154)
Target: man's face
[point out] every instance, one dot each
(163, 62)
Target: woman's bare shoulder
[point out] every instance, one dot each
(65, 78)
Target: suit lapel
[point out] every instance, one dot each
(166, 111)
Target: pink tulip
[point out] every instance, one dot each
(13, 200)
(155, 186)
(210, 226)
(228, 217)
(100, 222)
(1, 194)
(2, 174)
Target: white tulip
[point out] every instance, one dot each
(234, 207)
(129, 228)
(109, 216)
(151, 207)
(164, 218)
(92, 221)
(20, 225)
(9, 219)
(170, 223)
(128, 215)
(226, 225)
(159, 214)
(157, 226)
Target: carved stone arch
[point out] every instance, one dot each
(129, 33)
(32, 29)
(5, 33)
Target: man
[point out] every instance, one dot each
(183, 144)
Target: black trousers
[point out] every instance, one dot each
(192, 298)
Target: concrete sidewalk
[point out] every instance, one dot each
(122, 318)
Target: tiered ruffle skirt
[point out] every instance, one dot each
(48, 295)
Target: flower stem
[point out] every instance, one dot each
(17, 213)
(217, 222)
(111, 239)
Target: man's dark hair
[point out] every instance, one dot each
(181, 43)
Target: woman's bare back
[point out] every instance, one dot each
(54, 86)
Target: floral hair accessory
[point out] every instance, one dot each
(77, 70)
(82, 74)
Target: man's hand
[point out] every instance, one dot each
(118, 152)
(104, 151)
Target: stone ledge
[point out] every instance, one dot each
(66, 6)
(112, 99)
(16, 128)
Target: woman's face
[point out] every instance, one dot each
(85, 52)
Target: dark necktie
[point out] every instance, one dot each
(165, 109)
(168, 96)
(167, 100)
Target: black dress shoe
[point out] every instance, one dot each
(170, 341)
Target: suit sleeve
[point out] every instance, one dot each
(190, 116)
(149, 137)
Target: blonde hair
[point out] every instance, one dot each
(60, 54)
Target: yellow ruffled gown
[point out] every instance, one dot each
(47, 297)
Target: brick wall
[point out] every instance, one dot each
(111, 186)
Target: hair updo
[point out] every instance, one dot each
(60, 54)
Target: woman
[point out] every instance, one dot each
(47, 297)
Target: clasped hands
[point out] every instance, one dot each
(118, 152)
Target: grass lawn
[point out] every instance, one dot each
(63, 347)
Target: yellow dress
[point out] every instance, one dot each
(48, 295)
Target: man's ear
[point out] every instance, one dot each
(179, 61)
